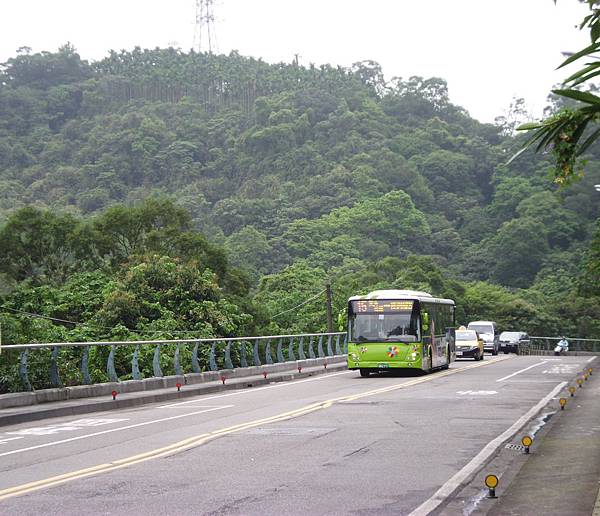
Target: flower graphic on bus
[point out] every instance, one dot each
(363, 349)
(392, 351)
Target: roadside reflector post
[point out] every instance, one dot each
(491, 482)
(178, 385)
(563, 402)
(325, 365)
(527, 441)
(580, 382)
(572, 390)
(114, 394)
(223, 379)
(299, 369)
(265, 375)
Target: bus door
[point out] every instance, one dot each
(434, 335)
(428, 335)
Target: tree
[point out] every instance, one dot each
(39, 245)
(589, 283)
(519, 238)
(566, 134)
(159, 293)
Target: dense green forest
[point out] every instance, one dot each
(158, 193)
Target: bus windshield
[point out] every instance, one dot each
(383, 321)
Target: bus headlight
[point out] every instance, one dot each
(354, 357)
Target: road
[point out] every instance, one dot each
(331, 444)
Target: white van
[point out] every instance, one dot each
(488, 331)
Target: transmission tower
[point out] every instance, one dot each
(205, 37)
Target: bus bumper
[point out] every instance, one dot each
(382, 366)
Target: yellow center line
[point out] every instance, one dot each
(201, 439)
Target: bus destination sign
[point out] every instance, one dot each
(382, 306)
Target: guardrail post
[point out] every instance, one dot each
(135, 364)
(291, 355)
(329, 348)
(243, 361)
(311, 351)
(54, 374)
(195, 364)
(177, 362)
(256, 357)
(301, 354)
(85, 370)
(338, 350)
(212, 359)
(156, 362)
(23, 372)
(346, 343)
(320, 347)
(228, 363)
(268, 357)
(110, 366)
(280, 351)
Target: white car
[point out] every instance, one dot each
(488, 331)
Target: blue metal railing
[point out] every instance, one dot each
(180, 356)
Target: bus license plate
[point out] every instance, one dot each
(383, 366)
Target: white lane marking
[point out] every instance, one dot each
(533, 380)
(593, 358)
(476, 393)
(54, 443)
(65, 427)
(4, 440)
(454, 483)
(521, 371)
(561, 369)
(249, 391)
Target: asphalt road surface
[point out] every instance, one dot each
(331, 444)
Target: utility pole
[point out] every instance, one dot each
(329, 309)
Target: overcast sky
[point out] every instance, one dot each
(488, 51)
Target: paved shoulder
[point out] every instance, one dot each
(562, 475)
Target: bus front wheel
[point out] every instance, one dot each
(364, 373)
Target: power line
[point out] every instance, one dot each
(298, 306)
(40, 316)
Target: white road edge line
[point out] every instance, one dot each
(455, 482)
(521, 371)
(593, 358)
(54, 443)
(248, 391)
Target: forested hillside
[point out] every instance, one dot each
(156, 192)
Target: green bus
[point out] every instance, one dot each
(400, 329)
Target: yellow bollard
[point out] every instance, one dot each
(491, 482)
